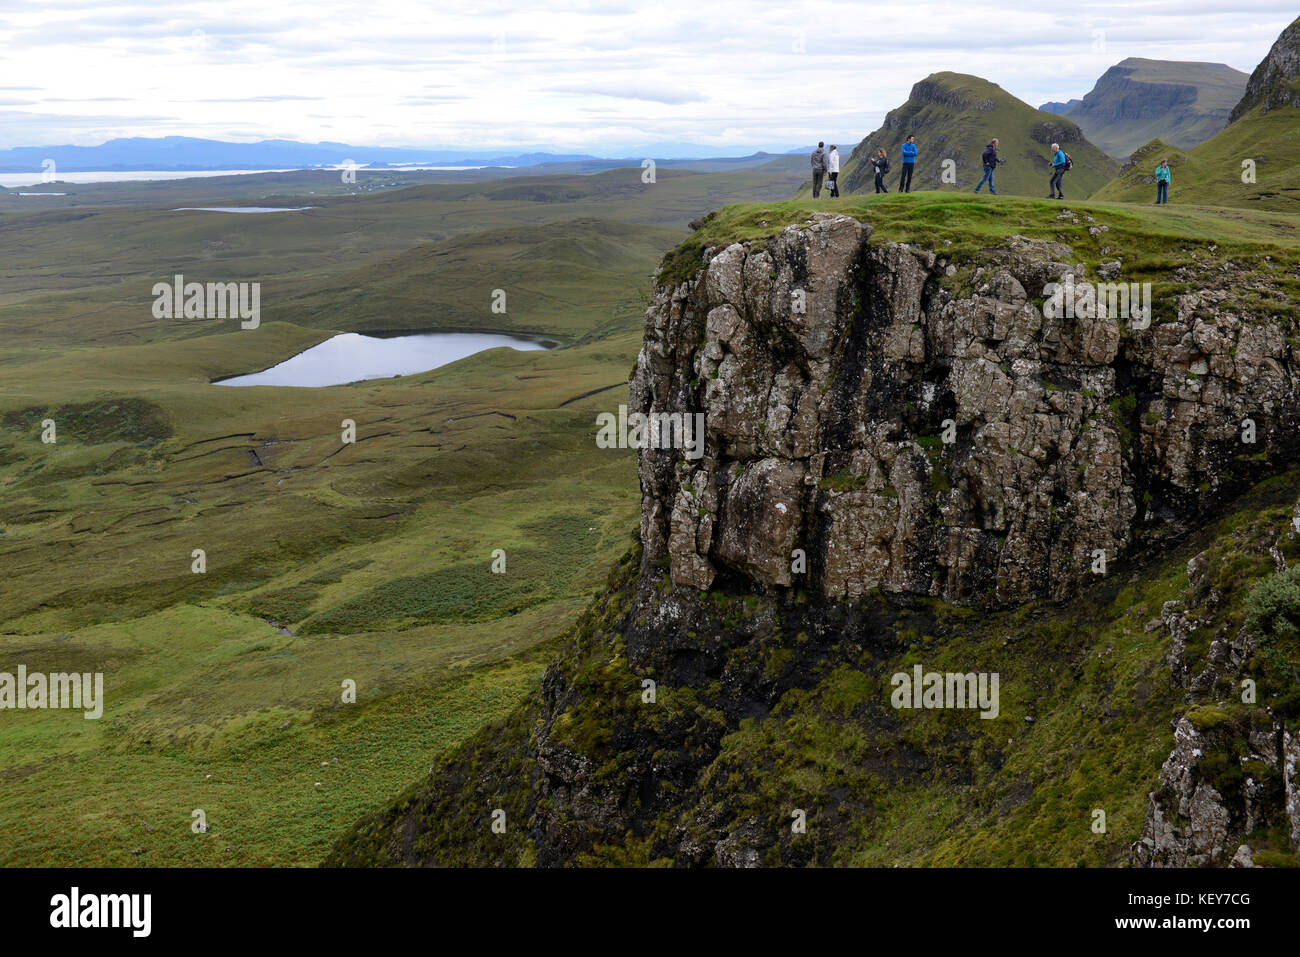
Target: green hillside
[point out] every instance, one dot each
(1212, 174)
(953, 116)
(1140, 100)
(1252, 164)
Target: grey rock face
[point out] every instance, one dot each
(902, 437)
(1270, 84)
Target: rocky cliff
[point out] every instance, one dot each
(727, 699)
(1272, 84)
(960, 446)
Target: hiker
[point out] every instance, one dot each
(1164, 176)
(881, 164)
(991, 162)
(909, 164)
(833, 170)
(1060, 163)
(818, 169)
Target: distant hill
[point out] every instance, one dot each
(1138, 100)
(953, 116)
(190, 153)
(1265, 130)
(1060, 109)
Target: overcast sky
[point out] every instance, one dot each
(601, 76)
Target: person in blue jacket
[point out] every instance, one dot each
(1163, 177)
(1059, 162)
(909, 164)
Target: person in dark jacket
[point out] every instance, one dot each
(991, 162)
(1059, 162)
(818, 169)
(881, 164)
(909, 164)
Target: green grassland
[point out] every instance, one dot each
(325, 561)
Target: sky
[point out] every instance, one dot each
(598, 77)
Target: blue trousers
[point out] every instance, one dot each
(1162, 192)
(988, 178)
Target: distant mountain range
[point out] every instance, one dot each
(953, 116)
(1138, 100)
(179, 153)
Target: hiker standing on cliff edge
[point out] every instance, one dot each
(909, 164)
(991, 162)
(833, 170)
(1060, 163)
(818, 169)
(880, 163)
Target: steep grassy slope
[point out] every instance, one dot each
(953, 116)
(1213, 173)
(1140, 100)
(785, 704)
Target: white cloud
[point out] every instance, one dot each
(589, 76)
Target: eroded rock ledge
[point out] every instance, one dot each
(829, 366)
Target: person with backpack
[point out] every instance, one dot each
(818, 169)
(909, 164)
(881, 163)
(991, 161)
(1164, 176)
(1060, 163)
(833, 170)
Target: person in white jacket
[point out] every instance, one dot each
(833, 170)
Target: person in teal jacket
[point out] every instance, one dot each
(1059, 163)
(909, 164)
(1163, 179)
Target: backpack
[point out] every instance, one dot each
(1069, 163)
(884, 164)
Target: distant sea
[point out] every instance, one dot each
(125, 176)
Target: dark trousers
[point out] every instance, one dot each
(880, 183)
(905, 178)
(817, 183)
(988, 178)
(1162, 192)
(835, 186)
(1054, 187)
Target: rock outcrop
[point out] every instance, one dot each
(1272, 83)
(868, 427)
